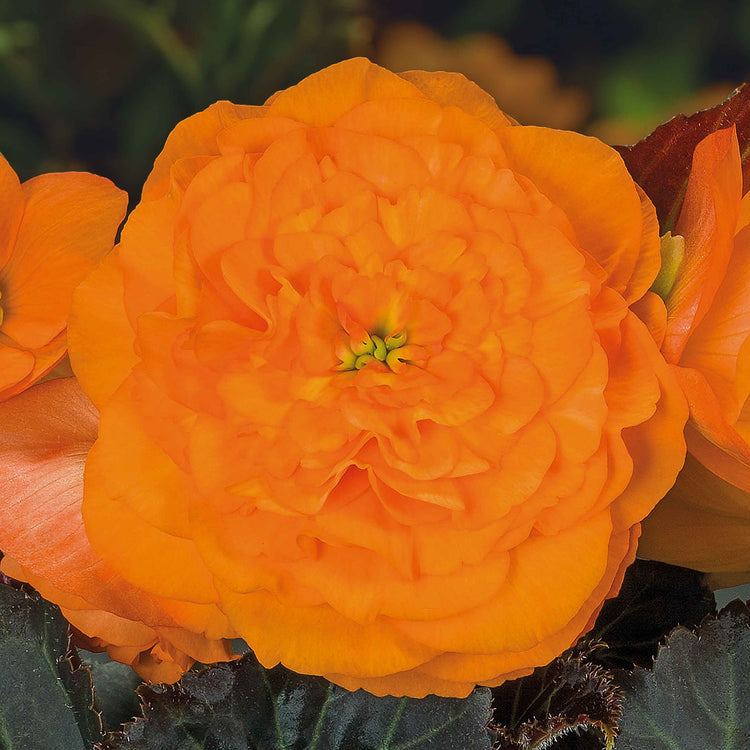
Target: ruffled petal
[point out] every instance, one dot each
(525, 611)
(609, 215)
(319, 640)
(354, 81)
(101, 345)
(656, 445)
(651, 310)
(194, 136)
(135, 513)
(455, 90)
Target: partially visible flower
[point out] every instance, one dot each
(703, 328)
(369, 388)
(53, 230)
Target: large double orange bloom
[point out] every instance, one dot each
(371, 396)
(704, 327)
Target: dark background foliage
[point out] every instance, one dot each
(98, 84)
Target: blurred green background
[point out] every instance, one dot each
(98, 84)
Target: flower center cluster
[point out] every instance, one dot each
(370, 348)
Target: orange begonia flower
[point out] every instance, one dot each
(54, 229)
(704, 324)
(369, 387)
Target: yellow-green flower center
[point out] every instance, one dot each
(373, 348)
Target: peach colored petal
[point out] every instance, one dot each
(655, 445)
(170, 565)
(744, 216)
(649, 260)
(496, 669)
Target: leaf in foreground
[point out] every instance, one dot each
(697, 695)
(45, 699)
(571, 700)
(114, 687)
(242, 706)
(661, 162)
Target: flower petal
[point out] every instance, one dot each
(354, 81)
(715, 345)
(707, 222)
(710, 438)
(317, 640)
(68, 226)
(602, 202)
(46, 433)
(455, 90)
(702, 523)
(525, 611)
(101, 345)
(16, 365)
(12, 209)
(194, 136)
(122, 510)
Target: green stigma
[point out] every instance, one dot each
(373, 348)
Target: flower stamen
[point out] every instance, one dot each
(373, 348)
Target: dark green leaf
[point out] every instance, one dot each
(114, 687)
(45, 695)
(661, 162)
(654, 598)
(556, 704)
(698, 694)
(242, 706)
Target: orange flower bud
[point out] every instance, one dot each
(369, 385)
